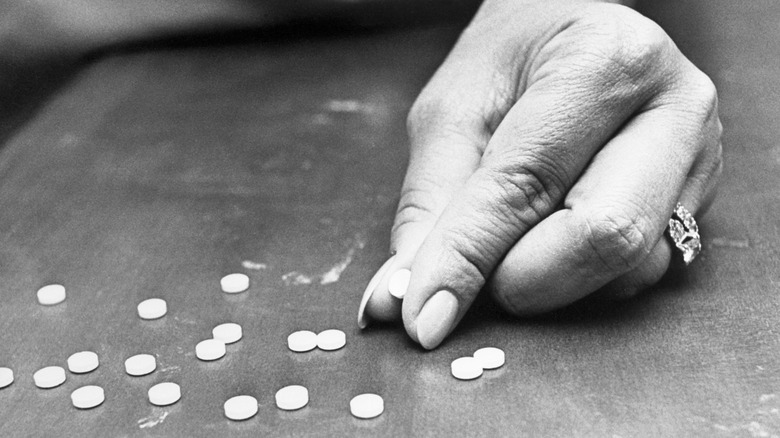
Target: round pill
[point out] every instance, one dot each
(332, 339)
(292, 397)
(227, 333)
(367, 406)
(210, 349)
(164, 394)
(140, 364)
(152, 308)
(399, 283)
(466, 368)
(6, 377)
(234, 283)
(83, 362)
(302, 341)
(490, 357)
(241, 407)
(49, 377)
(51, 294)
(88, 397)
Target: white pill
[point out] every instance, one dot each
(51, 294)
(466, 368)
(332, 339)
(228, 332)
(6, 377)
(367, 406)
(210, 349)
(302, 341)
(292, 397)
(140, 364)
(241, 407)
(152, 308)
(234, 283)
(83, 362)
(164, 394)
(49, 377)
(88, 397)
(490, 357)
(399, 283)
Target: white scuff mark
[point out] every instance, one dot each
(185, 321)
(153, 420)
(170, 368)
(249, 264)
(766, 397)
(344, 106)
(756, 429)
(334, 273)
(725, 242)
(296, 278)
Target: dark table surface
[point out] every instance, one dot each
(155, 173)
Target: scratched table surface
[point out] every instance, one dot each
(154, 173)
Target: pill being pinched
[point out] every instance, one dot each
(152, 308)
(210, 349)
(228, 332)
(367, 406)
(490, 357)
(241, 407)
(83, 362)
(51, 294)
(49, 377)
(399, 283)
(332, 339)
(88, 397)
(292, 397)
(164, 394)
(302, 341)
(6, 377)
(140, 364)
(234, 283)
(466, 368)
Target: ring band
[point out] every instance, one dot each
(685, 233)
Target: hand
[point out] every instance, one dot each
(547, 155)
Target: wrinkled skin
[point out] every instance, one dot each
(547, 154)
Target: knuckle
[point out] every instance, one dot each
(703, 97)
(627, 45)
(618, 241)
(527, 190)
(471, 256)
(416, 204)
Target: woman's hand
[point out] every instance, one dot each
(547, 155)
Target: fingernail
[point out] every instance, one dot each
(362, 320)
(399, 283)
(436, 319)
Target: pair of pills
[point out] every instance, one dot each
(328, 340)
(161, 394)
(213, 349)
(244, 407)
(54, 376)
(469, 368)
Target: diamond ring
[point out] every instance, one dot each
(685, 233)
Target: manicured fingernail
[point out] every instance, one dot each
(362, 320)
(436, 319)
(399, 283)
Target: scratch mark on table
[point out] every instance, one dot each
(153, 420)
(725, 242)
(333, 275)
(255, 266)
(296, 278)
